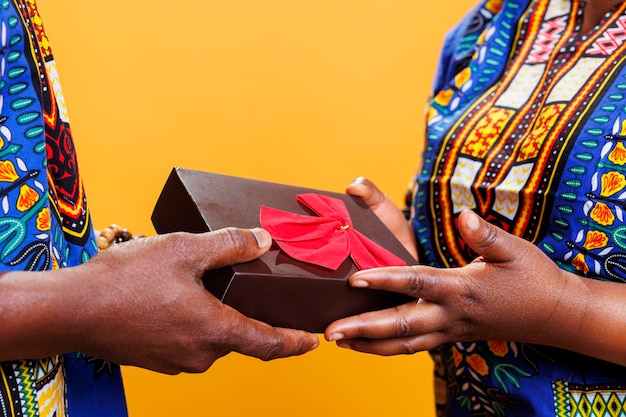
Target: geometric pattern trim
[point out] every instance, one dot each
(558, 8)
(530, 133)
(572, 82)
(577, 400)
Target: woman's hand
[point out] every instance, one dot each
(386, 211)
(512, 291)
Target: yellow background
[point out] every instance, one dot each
(312, 93)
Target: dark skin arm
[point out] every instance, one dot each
(142, 303)
(513, 291)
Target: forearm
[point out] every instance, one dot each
(39, 313)
(590, 318)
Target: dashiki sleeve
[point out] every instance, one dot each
(44, 218)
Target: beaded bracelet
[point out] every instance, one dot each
(114, 234)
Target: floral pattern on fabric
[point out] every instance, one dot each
(528, 133)
(44, 219)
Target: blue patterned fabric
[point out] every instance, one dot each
(527, 127)
(44, 218)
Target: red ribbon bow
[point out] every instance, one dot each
(326, 240)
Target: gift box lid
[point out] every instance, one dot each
(275, 288)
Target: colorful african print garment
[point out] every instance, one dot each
(527, 127)
(44, 220)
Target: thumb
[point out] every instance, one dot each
(230, 246)
(367, 190)
(490, 242)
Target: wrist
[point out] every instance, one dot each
(45, 327)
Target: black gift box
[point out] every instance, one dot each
(275, 288)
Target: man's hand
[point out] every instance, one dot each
(142, 303)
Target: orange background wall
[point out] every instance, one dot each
(312, 93)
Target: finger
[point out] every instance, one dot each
(489, 241)
(416, 281)
(407, 320)
(386, 211)
(364, 188)
(389, 347)
(260, 340)
(229, 246)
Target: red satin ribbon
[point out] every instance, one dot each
(326, 240)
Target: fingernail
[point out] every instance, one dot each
(262, 236)
(471, 221)
(335, 337)
(357, 186)
(359, 182)
(315, 344)
(344, 344)
(359, 283)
